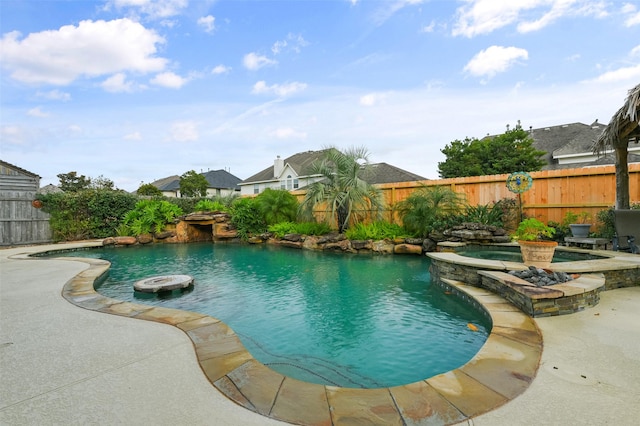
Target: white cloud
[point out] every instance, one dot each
(428, 28)
(631, 74)
(478, 17)
(288, 133)
(74, 129)
(635, 51)
(135, 136)
(293, 42)
(37, 112)
(91, 49)
(371, 99)
(152, 8)
(253, 61)
(12, 134)
(54, 95)
(207, 22)
(281, 90)
(633, 17)
(389, 8)
(169, 80)
(493, 60)
(117, 83)
(184, 131)
(220, 69)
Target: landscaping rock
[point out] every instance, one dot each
(125, 241)
(145, 238)
(542, 277)
(407, 249)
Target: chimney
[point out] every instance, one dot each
(278, 167)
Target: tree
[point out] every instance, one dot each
(342, 187)
(277, 205)
(71, 182)
(623, 127)
(193, 184)
(148, 189)
(510, 152)
(429, 208)
(102, 182)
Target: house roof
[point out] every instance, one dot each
(386, 173)
(565, 139)
(300, 163)
(218, 179)
(4, 166)
(164, 183)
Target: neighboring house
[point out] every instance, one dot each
(221, 184)
(295, 172)
(571, 145)
(21, 219)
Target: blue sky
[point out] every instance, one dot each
(137, 90)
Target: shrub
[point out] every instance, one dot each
(281, 229)
(489, 214)
(430, 208)
(379, 230)
(312, 228)
(246, 218)
(151, 216)
(277, 205)
(207, 205)
(89, 213)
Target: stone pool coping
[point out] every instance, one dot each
(502, 369)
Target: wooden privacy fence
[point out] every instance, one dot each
(552, 194)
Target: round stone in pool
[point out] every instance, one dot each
(163, 283)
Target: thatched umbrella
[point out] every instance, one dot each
(623, 128)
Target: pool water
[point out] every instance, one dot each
(364, 321)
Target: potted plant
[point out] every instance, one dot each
(579, 223)
(536, 251)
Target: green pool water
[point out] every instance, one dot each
(345, 320)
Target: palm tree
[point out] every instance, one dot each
(623, 127)
(342, 186)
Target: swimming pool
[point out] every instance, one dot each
(344, 320)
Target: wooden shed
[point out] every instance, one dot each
(20, 221)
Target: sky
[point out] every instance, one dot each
(138, 90)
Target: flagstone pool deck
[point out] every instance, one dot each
(63, 365)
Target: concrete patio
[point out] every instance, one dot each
(60, 364)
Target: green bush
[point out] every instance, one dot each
(489, 214)
(89, 213)
(430, 208)
(151, 216)
(246, 218)
(312, 228)
(281, 229)
(277, 205)
(605, 222)
(207, 205)
(305, 228)
(379, 230)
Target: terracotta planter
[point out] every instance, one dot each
(580, 230)
(537, 253)
(36, 203)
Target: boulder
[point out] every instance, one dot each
(145, 238)
(165, 234)
(110, 241)
(125, 241)
(407, 249)
(382, 246)
(361, 244)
